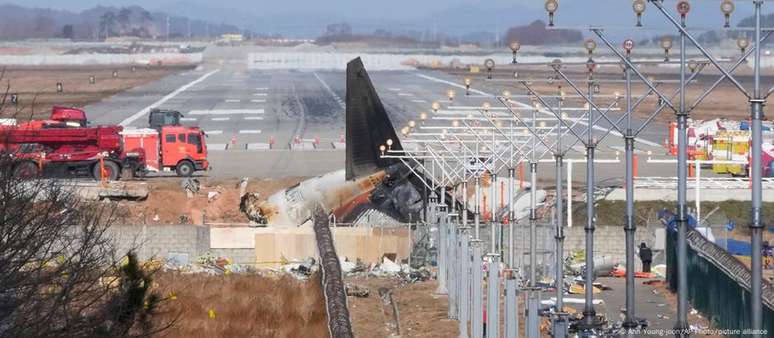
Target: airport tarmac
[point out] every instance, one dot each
(279, 123)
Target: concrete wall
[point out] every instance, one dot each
(99, 59)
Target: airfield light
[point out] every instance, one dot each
(727, 7)
(590, 46)
(586, 106)
(382, 149)
(666, 44)
(596, 88)
(469, 116)
(551, 7)
(692, 65)
(617, 95)
(556, 64)
(591, 66)
(515, 75)
(515, 46)
(507, 95)
(639, 7)
(389, 140)
(485, 106)
(550, 80)
(628, 45)
(412, 124)
(450, 94)
(564, 116)
(743, 42)
(542, 124)
(455, 124)
(437, 106)
(489, 64)
(423, 117)
(468, 81)
(683, 7)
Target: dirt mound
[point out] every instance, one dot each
(168, 203)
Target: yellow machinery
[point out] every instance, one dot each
(731, 145)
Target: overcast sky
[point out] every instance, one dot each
(453, 16)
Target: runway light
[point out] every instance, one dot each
(564, 116)
(683, 7)
(467, 81)
(412, 124)
(639, 7)
(450, 94)
(542, 124)
(590, 46)
(499, 124)
(389, 143)
(382, 149)
(485, 106)
(551, 7)
(515, 46)
(628, 45)
(507, 95)
(617, 95)
(743, 42)
(489, 64)
(423, 116)
(437, 106)
(727, 7)
(455, 124)
(693, 65)
(666, 44)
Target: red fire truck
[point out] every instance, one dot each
(60, 152)
(178, 148)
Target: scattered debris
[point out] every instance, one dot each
(357, 290)
(191, 186)
(390, 311)
(212, 195)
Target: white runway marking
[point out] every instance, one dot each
(260, 94)
(189, 119)
(394, 89)
(250, 131)
(164, 99)
(253, 118)
(233, 100)
(221, 118)
(227, 112)
(213, 132)
(261, 88)
(330, 91)
(405, 94)
(419, 101)
(484, 94)
(258, 101)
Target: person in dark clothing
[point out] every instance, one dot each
(646, 256)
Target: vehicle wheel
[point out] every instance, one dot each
(185, 169)
(25, 169)
(111, 171)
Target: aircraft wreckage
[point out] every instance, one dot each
(384, 190)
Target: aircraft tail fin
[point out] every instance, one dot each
(367, 124)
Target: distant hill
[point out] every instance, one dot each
(537, 34)
(17, 22)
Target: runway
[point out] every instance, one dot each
(278, 123)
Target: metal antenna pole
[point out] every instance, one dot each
(682, 213)
(756, 226)
(511, 218)
(629, 228)
(560, 323)
(533, 330)
(589, 314)
(493, 283)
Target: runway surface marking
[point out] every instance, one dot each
(260, 94)
(227, 112)
(330, 91)
(254, 118)
(405, 94)
(523, 105)
(213, 132)
(250, 131)
(221, 118)
(189, 119)
(164, 99)
(233, 100)
(261, 88)
(394, 89)
(419, 101)
(258, 101)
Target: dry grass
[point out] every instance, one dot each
(243, 306)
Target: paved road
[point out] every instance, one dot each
(299, 115)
